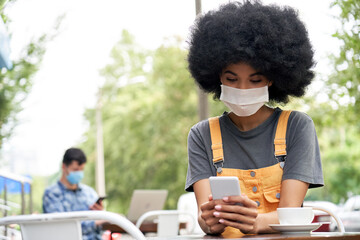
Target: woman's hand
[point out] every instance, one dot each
(236, 211)
(207, 214)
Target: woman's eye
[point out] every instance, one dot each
(231, 79)
(256, 81)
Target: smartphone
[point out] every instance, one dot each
(224, 186)
(100, 199)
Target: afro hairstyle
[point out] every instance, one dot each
(269, 38)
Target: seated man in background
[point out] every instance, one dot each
(68, 194)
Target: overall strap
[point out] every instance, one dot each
(280, 136)
(217, 146)
(216, 143)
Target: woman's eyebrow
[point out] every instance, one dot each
(251, 75)
(257, 73)
(228, 71)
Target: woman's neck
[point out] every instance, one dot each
(251, 122)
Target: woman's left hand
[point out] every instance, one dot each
(240, 212)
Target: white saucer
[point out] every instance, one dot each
(296, 228)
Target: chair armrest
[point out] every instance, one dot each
(336, 217)
(114, 218)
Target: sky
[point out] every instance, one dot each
(66, 84)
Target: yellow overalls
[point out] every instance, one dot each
(261, 185)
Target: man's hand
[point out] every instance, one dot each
(97, 206)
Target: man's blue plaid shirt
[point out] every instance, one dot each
(57, 198)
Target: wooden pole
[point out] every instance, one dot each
(100, 169)
(203, 105)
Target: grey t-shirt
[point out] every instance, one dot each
(254, 149)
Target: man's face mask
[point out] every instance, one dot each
(75, 177)
(244, 102)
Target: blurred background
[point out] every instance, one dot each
(111, 78)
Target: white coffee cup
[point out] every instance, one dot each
(295, 215)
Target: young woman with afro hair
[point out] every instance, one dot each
(248, 54)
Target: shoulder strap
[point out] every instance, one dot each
(216, 140)
(280, 135)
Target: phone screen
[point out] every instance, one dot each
(224, 186)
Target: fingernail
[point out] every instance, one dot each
(226, 198)
(216, 214)
(221, 220)
(218, 207)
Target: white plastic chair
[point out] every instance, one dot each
(167, 220)
(65, 225)
(12, 234)
(187, 203)
(339, 223)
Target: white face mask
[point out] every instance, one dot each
(244, 102)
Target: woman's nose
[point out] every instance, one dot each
(242, 85)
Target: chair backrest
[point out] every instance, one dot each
(70, 230)
(168, 221)
(187, 203)
(66, 225)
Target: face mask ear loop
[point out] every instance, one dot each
(268, 86)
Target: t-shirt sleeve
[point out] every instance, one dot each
(303, 160)
(199, 166)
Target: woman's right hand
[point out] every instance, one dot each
(207, 214)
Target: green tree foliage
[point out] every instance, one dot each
(145, 124)
(346, 80)
(343, 155)
(16, 83)
(336, 120)
(3, 3)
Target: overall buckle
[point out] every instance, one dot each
(219, 165)
(281, 159)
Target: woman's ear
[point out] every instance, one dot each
(270, 83)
